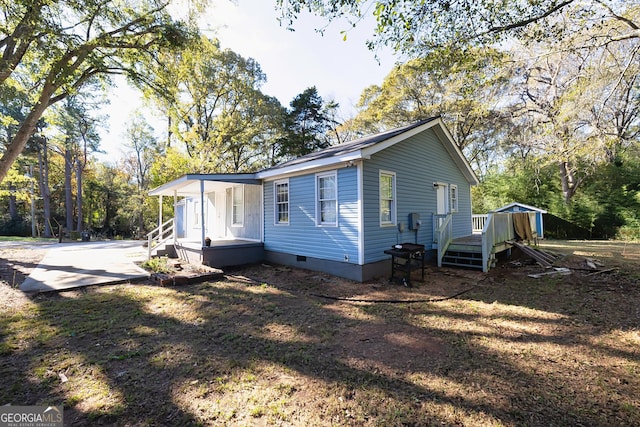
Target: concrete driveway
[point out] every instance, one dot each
(78, 264)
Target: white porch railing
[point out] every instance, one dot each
(477, 222)
(161, 234)
(442, 234)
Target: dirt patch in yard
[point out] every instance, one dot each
(272, 345)
(389, 348)
(17, 261)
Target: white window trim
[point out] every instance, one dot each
(275, 202)
(233, 200)
(319, 223)
(394, 203)
(453, 201)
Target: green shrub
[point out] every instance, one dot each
(157, 265)
(15, 227)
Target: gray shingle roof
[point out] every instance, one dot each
(351, 146)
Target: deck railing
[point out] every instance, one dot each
(161, 234)
(497, 229)
(477, 223)
(442, 234)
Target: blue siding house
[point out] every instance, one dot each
(335, 210)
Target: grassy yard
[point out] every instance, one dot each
(276, 346)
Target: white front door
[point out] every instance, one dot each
(180, 220)
(210, 214)
(442, 201)
(220, 229)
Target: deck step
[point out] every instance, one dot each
(464, 254)
(457, 247)
(459, 258)
(462, 263)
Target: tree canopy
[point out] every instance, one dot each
(541, 120)
(420, 26)
(212, 99)
(541, 95)
(463, 89)
(308, 123)
(51, 49)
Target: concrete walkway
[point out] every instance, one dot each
(79, 264)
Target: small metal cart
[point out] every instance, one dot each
(405, 258)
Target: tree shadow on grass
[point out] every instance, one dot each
(143, 355)
(569, 353)
(14, 272)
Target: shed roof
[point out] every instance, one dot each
(521, 205)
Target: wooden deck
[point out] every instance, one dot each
(472, 243)
(473, 240)
(467, 252)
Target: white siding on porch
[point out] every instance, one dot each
(250, 228)
(218, 215)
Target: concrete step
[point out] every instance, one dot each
(168, 250)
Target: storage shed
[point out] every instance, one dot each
(521, 207)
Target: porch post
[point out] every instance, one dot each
(160, 217)
(202, 211)
(175, 215)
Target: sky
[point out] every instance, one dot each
(292, 60)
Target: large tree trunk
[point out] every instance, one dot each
(19, 141)
(68, 195)
(13, 205)
(141, 229)
(106, 226)
(569, 183)
(79, 195)
(45, 192)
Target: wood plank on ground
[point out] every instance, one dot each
(541, 257)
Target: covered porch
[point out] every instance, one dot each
(217, 220)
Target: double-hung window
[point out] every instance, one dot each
(196, 213)
(387, 198)
(237, 211)
(453, 198)
(281, 197)
(327, 199)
